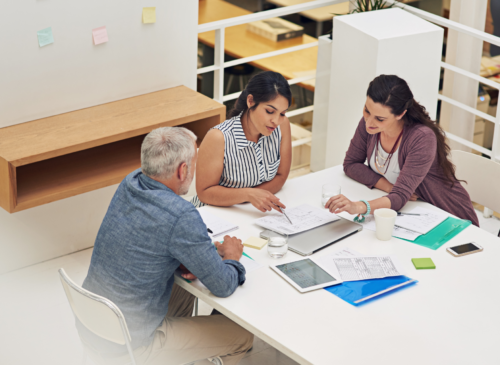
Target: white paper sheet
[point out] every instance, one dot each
(249, 264)
(423, 223)
(303, 217)
(369, 224)
(217, 225)
(351, 265)
(367, 267)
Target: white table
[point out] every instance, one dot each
(452, 316)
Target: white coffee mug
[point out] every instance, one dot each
(384, 221)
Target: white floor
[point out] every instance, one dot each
(37, 325)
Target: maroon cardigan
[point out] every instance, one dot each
(420, 171)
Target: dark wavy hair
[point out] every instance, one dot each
(264, 86)
(393, 92)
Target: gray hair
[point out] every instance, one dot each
(165, 149)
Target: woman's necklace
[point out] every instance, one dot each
(387, 160)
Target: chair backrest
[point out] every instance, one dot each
(98, 314)
(482, 176)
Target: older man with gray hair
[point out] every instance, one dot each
(149, 232)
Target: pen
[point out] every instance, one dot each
(282, 211)
(401, 213)
(209, 230)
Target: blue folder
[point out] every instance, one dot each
(364, 291)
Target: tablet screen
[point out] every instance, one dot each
(305, 273)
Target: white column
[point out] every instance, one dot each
(465, 52)
(321, 101)
(365, 45)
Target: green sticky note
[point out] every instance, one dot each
(45, 37)
(421, 264)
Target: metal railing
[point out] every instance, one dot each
(494, 153)
(219, 64)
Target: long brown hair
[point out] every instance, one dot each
(393, 92)
(264, 86)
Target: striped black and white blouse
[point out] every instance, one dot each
(246, 163)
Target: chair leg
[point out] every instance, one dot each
(487, 213)
(242, 84)
(229, 83)
(196, 306)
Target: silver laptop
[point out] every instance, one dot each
(309, 242)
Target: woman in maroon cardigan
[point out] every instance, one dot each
(406, 152)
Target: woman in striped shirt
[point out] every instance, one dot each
(247, 158)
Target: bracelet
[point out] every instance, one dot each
(368, 210)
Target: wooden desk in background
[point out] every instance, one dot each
(240, 43)
(319, 15)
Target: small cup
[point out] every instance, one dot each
(277, 245)
(328, 191)
(384, 221)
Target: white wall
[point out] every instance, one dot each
(71, 74)
(366, 45)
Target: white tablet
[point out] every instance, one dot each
(305, 275)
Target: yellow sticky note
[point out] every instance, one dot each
(148, 15)
(254, 242)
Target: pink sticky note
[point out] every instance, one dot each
(100, 35)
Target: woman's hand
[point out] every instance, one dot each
(264, 200)
(413, 197)
(339, 203)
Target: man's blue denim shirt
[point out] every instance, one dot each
(148, 231)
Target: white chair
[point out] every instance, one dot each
(100, 315)
(482, 176)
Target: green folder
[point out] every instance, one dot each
(442, 233)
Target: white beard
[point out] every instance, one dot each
(184, 189)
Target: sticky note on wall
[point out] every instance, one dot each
(100, 35)
(45, 37)
(148, 15)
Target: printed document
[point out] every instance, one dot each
(423, 223)
(303, 217)
(353, 266)
(369, 224)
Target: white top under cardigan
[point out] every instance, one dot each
(393, 171)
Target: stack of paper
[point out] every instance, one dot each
(303, 217)
(407, 227)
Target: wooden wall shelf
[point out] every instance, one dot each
(68, 154)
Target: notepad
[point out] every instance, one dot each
(216, 226)
(423, 263)
(255, 242)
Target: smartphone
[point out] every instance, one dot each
(463, 250)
